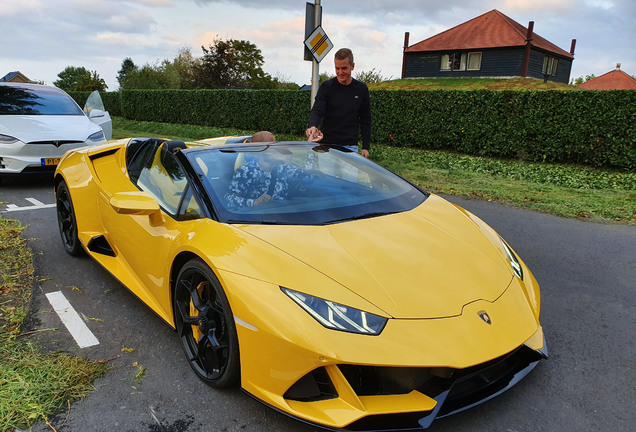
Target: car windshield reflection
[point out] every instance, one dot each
(22, 100)
(299, 183)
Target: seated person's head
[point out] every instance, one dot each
(263, 136)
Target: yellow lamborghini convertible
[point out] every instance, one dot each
(324, 285)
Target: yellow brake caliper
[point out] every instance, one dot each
(196, 331)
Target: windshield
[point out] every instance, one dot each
(299, 183)
(36, 100)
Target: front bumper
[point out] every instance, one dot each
(9, 165)
(409, 398)
(17, 158)
(414, 372)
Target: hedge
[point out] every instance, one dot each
(584, 127)
(593, 128)
(280, 111)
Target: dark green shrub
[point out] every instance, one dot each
(594, 128)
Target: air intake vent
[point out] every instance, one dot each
(56, 143)
(100, 245)
(314, 386)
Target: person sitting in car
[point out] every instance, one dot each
(265, 177)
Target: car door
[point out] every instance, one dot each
(143, 240)
(96, 112)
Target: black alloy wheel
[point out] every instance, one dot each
(205, 325)
(66, 220)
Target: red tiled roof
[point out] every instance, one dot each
(490, 30)
(613, 80)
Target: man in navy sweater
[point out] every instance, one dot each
(341, 111)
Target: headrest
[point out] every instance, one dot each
(239, 139)
(173, 146)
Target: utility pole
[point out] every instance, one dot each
(317, 43)
(315, 66)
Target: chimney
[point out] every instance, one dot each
(526, 54)
(618, 66)
(530, 28)
(572, 46)
(406, 45)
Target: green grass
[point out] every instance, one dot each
(123, 128)
(563, 190)
(33, 385)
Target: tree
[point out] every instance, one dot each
(232, 64)
(324, 77)
(79, 79)
(152, 77)
(179, 73)
(581, 79)
(185, 67)
(283, 82)
(127, 67)
(371, 77)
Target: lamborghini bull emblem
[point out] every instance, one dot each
(485, 317)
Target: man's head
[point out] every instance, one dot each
(343, 60)
(263, 136)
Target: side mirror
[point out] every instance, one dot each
(137, 203)
(96, 113)
(134, 203)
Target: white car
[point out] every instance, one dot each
(39, 123)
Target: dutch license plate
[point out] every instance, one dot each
(50, 161)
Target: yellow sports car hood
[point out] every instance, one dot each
(407, 264)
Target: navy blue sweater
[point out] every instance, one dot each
(340, 111)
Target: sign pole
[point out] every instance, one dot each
(315, 72)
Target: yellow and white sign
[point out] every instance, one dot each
(319, 44)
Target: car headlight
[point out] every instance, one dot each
(336, 316)
(7, 139)
(514, 261)
(97, 136)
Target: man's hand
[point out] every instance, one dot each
(365, 153)
(263, 199)
(313, 134)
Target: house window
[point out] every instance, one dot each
(461, 61)
(446, 62)
(474, 61)
(550, 65)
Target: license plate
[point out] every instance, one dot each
(50, 161)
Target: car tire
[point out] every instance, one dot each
(205, 324)
(66, 220)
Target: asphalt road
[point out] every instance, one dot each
(587, 273)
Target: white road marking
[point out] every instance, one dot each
(34, 201)
(80, 332)
(36, 205)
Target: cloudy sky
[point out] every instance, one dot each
(42, 37)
